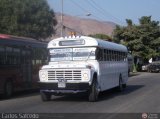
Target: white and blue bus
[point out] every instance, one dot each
(83, 64)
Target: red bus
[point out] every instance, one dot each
(20, 60)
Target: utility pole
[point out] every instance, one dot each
(61, 18)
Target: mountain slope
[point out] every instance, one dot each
(83, 26)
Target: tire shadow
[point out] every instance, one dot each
(80, 97)
(22, 94)
(134, 74)
(105, 95)
(108, 94)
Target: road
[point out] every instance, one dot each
(141, 95)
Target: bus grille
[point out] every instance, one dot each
(66, 74)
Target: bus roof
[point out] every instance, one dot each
(85, 42)
(15, 40)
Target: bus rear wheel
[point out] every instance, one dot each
(93, 92)
(45, 96)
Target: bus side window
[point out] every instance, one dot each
(2, 55)
(104, 55)
(126, 58)
(120, 54)
(99, 54)
(109, 55)
(16, 56)
(107, 58)
(112, 55)
(9, 55)
(115, 55)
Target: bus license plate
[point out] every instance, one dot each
(61, 84)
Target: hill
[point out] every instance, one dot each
(83, 26)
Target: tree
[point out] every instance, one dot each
(102, 36)
(143, 39)
(29, 18)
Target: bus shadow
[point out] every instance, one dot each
(113, 92)
(81, 97)
(105, 95)
(134, 74)
(21, 94)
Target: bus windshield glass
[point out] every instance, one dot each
(68, 54)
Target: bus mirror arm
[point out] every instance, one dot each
(89, 55)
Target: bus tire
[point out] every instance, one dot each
(120, 87)
(124, 86)
(8, 89)
(93, 92)
(45, 96)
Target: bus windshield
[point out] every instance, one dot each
(68, 54)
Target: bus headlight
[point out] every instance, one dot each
(85, 75)
(43, 75)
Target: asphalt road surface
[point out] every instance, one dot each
(141, 95)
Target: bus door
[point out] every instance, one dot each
(26, 68)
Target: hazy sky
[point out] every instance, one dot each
(109, 10)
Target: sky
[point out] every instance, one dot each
(116, 11)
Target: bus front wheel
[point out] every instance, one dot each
(45, 96)
(93, 92)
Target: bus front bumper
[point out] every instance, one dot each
(68, 89)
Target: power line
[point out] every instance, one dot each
(83, 9)
(79, 6)
(101, 10)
